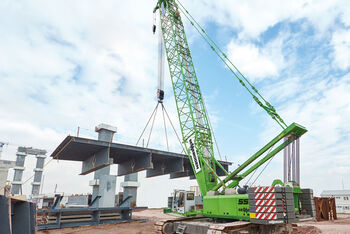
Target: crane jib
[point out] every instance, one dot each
(193, 154)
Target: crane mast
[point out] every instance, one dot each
(194, 124)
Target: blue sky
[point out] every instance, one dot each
(68, 64)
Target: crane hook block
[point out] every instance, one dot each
(160, 95)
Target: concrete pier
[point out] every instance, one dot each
(104, 184)
(130, 186)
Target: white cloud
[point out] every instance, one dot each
(251, 18)
(257, 62)
(341, 44)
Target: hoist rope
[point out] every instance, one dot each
(147, 123)
(153, 115)
(262, 170)
(267, 106)
(172, 125)
(150, 133)
(166, 135)
(257, 168)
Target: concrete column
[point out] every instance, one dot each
(16, 187)
(130, 186)
(38, 173)
(103, 183)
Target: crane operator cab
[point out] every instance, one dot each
(183, 202)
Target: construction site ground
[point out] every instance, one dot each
(342, 225)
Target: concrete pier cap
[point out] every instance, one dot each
(105, 132)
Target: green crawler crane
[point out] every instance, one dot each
(195, 127)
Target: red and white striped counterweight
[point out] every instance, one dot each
(268, 204)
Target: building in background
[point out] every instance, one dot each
(342, 199)
(5, 165)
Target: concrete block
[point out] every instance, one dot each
(307, 190)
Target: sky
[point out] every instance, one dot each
(65, 64)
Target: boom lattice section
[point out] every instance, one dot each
(192, 115)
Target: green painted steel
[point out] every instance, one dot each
(194, 124)
(293, 130)
(296, 193)
(227, 206)
(189, 213)
(195, 128)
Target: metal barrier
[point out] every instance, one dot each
(325, 208)
(74, 217)
(16, 216)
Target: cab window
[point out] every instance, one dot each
(190, 196)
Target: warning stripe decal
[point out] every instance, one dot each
(267, 189)
(264, 196)
(265, 209)
(271, 216)
(265, 202)
(268, 216)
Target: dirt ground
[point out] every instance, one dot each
(135, 227)
(339, 226)
(342, 225)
